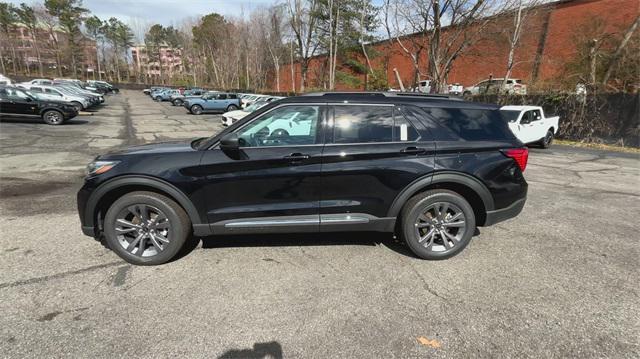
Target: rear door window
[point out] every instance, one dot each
(362, 124)
(471, 124)
(403, 131)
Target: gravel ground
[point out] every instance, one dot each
(556, 281)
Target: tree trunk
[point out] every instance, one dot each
(619, 49)
(4, 69)
(98, 63)
(293, 72)
(34, 35)
(513, 43)
(304, 67)
(593, 60)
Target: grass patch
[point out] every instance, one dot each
(600, 146)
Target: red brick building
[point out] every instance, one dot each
(549, 42)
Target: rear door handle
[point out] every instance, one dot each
(413, 150)
(297, 156)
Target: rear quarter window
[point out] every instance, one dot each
(472, 124)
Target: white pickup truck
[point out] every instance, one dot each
(529, 124)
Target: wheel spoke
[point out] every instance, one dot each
(161, 238)
(443, 211)
(456, 216)
(450, 236)
(155, 243)
(445, 240)
(127, 226)
(427, 236)
(454, 224)
(125, 230)
(134, 242)
(161, 225)
(141, 246)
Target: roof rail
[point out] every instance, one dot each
(381, 94)
(338, 93)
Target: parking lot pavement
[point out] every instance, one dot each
(559, 280)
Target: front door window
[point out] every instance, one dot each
(283, 126)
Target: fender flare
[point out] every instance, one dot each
(442, 177)
(148, 181)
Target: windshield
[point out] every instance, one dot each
(510, 115)
(18, 93)
(255, 106)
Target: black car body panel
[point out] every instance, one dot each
(326, 185)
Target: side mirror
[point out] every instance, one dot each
(29, 99)
(229, 142)
(524, 121)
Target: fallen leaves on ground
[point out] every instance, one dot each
(433, 343)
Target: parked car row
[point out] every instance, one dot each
(489, 86)
(234, 106)
(55, 101)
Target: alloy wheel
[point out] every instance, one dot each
(142, 230)
(53, 117)
(440, 227)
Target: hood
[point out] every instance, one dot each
(236, 114)
(152, 148)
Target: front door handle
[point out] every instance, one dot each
(413, 150)
(297, 156)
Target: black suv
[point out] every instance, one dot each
(16, 102)
(427, 167)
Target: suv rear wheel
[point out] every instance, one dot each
(196, 109)
(53, 117)
(547, 140)
(146, 228)
(437, 224)
(232, 108)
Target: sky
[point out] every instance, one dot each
(166, 12)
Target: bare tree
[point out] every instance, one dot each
(444, 28)
(619, 49)
(303, 24)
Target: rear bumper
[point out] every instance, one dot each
(503, 214)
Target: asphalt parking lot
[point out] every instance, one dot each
(559, 280)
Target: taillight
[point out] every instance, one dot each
(520, 155)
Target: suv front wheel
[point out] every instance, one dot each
(437, 224)
(146, 228)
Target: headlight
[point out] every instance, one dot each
(99, 167)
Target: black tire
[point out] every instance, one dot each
(177, 102)
(232, 108)
(177, 232)
(77, 105)
(196, 109)
(411, 233)
(53, 117)
(157, 99)
(547, 140)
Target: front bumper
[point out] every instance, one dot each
(503, 214)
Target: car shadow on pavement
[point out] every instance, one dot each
(298, 239)
(38, 121)
(270, 350)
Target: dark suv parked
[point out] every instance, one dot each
(18, 103)
(429, 168)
